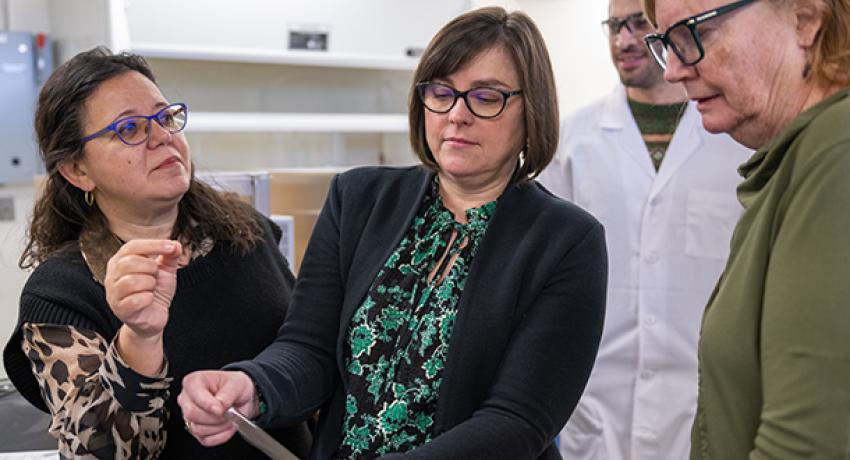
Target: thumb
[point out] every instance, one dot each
(234, 391)
(168, 261)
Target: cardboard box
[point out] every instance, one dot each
(300, 193)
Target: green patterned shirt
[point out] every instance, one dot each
(398, 339)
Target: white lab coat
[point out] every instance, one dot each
(668, 238)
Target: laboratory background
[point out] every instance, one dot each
(282, 93)
(682, 222)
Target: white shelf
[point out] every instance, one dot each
(272, 56)
(247, 122)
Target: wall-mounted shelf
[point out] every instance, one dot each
(272, 56)
(296, 122)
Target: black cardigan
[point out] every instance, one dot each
(525, 339)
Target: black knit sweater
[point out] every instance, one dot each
(227, 308)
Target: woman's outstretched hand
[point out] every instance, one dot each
(141, 279)
(205, 398)
(140, 282)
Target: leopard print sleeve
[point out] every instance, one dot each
(101, 408)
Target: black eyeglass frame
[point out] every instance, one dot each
(691, 23)
(420, 89)
(113, 127)
(619, 23)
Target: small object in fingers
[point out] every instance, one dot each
(257, 437)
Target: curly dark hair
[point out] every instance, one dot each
(60, 212)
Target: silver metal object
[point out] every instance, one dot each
(258, 438)
(252, 186)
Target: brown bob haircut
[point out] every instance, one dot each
(830, 53)
(462, 40)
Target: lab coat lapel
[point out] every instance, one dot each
(686, 140)
(618, 123)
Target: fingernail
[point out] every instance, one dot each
(168, 247)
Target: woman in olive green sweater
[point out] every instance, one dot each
(774, 354)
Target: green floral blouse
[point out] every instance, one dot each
(399, 337)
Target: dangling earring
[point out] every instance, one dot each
(88, 196)
(807, 70)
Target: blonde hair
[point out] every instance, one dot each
(830, 53)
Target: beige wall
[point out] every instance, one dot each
(577, 47)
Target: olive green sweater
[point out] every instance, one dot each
(774, 353)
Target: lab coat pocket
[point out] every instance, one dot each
(583, 436)
(711, 217)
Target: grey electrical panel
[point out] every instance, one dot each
(25, 62)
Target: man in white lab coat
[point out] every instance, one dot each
(640, 161)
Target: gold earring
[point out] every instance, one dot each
(89, 197)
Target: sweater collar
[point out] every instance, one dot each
(759, 168)
(99, 245)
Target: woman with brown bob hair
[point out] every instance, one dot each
(449, 310)
(142, 274)
(773, 353)
(454, 47)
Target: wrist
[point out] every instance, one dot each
(127, 335)
(259, 403)
(144, 355)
